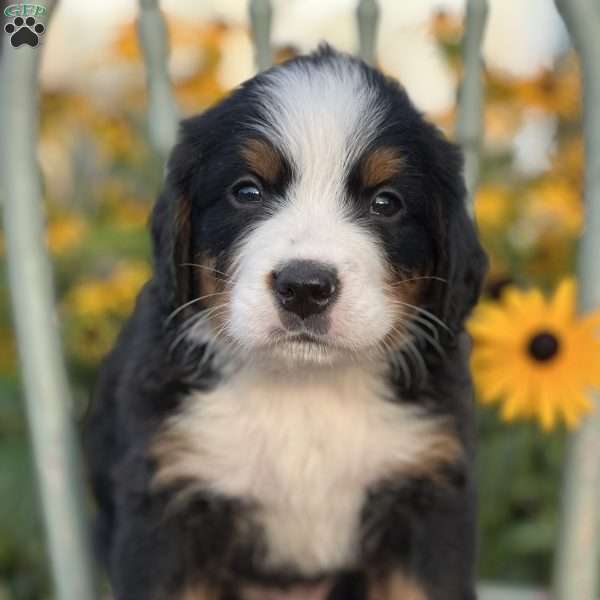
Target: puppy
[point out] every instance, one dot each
(287, 415)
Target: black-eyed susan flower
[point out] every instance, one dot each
(535, 357)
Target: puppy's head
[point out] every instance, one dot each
(313, 215)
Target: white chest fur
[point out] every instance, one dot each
(304, 450)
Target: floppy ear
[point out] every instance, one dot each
(465, 266)
(171, 239)
(171, 231)
(461, 259)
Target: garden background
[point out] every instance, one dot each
(101, 176)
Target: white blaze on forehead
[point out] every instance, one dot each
(322, 116)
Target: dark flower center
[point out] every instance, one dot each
(543, 346)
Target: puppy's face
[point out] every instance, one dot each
(314, 217)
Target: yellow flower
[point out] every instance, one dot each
(492, 206)
(131, 214)
(535, 357)
(501, 122)
(96, 309)
(194, 47)
(568, 160)
(447, 27)
(556, 206)
(554, 92)
(92, 339)
(90, 298)
(118, 139)
(125, 284)
(64, 233)
(115, 294)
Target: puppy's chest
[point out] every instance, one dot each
(302, 454)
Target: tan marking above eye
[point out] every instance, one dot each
(380, 166)
(262, 159)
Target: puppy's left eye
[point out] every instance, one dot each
(247, 193)
(386, 204)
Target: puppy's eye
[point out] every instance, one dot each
(387, 204)
(247, 193)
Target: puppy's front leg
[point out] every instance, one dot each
(418, 540)
(395, 585)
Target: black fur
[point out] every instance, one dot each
(425, 527)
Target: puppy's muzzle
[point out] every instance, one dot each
(305, 288)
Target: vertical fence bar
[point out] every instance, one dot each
(471, 96)
(578, 550)
(162, 108)
(367, 19)
(261, 18)
(49, 406)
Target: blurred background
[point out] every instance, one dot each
(101, 177)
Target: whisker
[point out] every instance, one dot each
(425, 313)
(410, 347)
(190, 302)
(405, 368)
(418, 278)
(398, 361)
(206, 267)
(425, 323)
(183, 332)
(222, 329)
(418, 331)
(192, 322)
(420, 320)
(211, 342)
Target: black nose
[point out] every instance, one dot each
(305, 287)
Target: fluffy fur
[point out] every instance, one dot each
(256, 441)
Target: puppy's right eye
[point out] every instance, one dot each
(247, 193)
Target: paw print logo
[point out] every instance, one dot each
(24, 31)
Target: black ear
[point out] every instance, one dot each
(171, 240)
(183, 193)
(171, 230)
(465, 265)
(461, 259)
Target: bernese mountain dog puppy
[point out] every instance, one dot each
(288, 415)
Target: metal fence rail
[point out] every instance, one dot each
(44, 376)
(162, 108)
(470, 105)
(578, 552)
(46, 388)
(261, 14)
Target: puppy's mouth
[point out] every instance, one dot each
(302, 346)
(304, 337)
